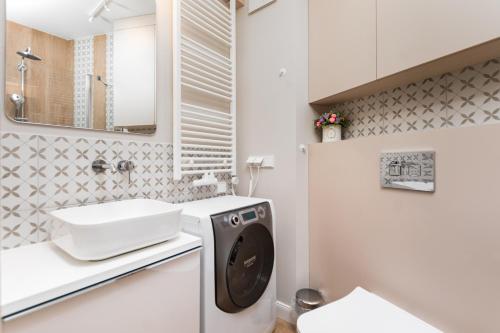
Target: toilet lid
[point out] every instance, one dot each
(361, 312)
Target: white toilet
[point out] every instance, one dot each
(361, 312)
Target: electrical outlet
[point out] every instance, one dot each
(255, 161)
(221, 187)
(268, 162)
(261, 161)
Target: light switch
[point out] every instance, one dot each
(268, 162)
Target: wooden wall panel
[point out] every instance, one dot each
(49, 83)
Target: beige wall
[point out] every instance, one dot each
(274, 118)
(163, 86)
(436, 255)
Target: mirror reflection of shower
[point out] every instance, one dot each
(19, 100)
(100, 79)
(89, 96)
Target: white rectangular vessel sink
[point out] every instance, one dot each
(106, 230)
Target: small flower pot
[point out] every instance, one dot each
(332, 133)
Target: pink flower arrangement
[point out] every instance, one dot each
(331, 118)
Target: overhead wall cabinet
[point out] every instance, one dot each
(362, 46)
(413, 32)
(342, 45)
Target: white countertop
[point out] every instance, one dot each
(34, 274)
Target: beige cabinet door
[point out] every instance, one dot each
(413, 32)
(342, 45)
(159, 299)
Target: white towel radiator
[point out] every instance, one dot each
(204, 45)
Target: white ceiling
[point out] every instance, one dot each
(69, 19)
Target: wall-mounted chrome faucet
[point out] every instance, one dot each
(126, 166)
(100, 166)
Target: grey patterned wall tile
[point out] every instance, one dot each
(43, 173)
(372, 116)
(467, 97)
(431, 101)
(55, 177)
(67, 177)
(18, 172)
(43, 226)
(475, 94)
(382, 114)
(118, 150)
(490, 88)
(100, 149)
(19, 228)
(464, 98)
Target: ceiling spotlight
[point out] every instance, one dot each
(102, 5)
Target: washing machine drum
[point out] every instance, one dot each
(249, 268)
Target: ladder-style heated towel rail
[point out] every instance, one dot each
(204, 44)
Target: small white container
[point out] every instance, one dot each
(332, 133)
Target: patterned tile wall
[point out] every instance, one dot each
(467, 97)
(42, 173)
(109, 79)
(84, 64)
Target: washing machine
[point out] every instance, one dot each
(238, 278)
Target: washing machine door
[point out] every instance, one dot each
(250, 265)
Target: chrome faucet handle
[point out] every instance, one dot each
(126, 166)
(100, 166)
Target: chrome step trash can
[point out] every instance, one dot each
(306, 300)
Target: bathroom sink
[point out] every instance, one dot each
(101, 231)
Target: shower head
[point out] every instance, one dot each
(28, 54)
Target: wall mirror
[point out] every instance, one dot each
(83, 64)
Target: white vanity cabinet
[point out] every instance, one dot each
(162, 297)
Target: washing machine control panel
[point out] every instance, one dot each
(246, 215)
(249, 215)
